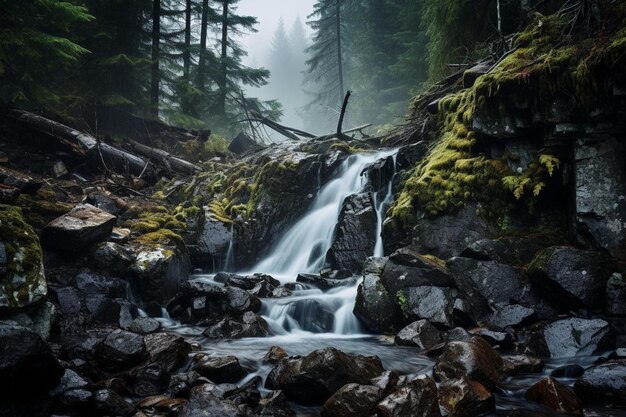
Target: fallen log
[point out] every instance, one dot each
(340, 134)
(170, 161)
(286, 131)
(82, 143)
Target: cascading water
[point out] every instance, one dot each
(380, 207)
(229, 263)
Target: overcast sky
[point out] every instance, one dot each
(268, 12)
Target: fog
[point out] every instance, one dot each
(283, 56)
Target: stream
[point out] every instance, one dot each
(311, 319)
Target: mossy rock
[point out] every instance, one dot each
(24, 282)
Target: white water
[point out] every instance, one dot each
(303, 248)
(380, 207)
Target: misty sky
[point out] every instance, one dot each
(268, 12)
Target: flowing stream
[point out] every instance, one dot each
(310, 319)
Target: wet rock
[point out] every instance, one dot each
(69, 381)
(19, 180)
(603, 384)
(76, 230)
(458, 334)
(74, 401)
(435, 304)
(250, 325)
(316, 377)
(95, 284)
(521, 364)
(69, 300)
(150, 379)
(275, 354)
(121, 349)
(215, 237)
(485, 283)
(247, 394)
(325, 283)
(616, 295)
(570, 277)
(406, 268)
(103, 202)
(22, 282)
(220, 369)
(408, 155)
(109, 403)
(511, 250)
(246, 282)
(475, 359)
(374, 306)
(181, 384)
(144, 325)
(203, 406)
(418, 398)
(112, 257)
(388, 381)
(353, 400)
(568, 371)
(167, 349)
(275, 404)
(600, 189)
(554, 395)
(572, 337)
(354, 236)
(421, 334)
(494, 337)
(466, 398)
(241, 301)
(512, 315)
(447, 235)
(26, 363)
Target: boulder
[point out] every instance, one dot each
(407, 268)
(144, 325)
(167, 349)
(568, 371)
(474, 359)
(572, 337)
(603, 384)
(241, 301)
(466, 398)
(408, 155)
(388, 381)
(214, 239)
(242, 144)
(435, 304)
(275, 354)
(375, 307)
(600, 189)
(447, 235)
(89, 283)
(182, 383)
(495, 337)
(512, 315)
(105, 202)
(325, 283)
(486, 283)
(108, 403)
(353, 400)
(418, 398)
(420, 334)
(220, 369)
(554, 395)
(521, 364)
(511, 250)
(112, 257)
(616, 295)
(76, 230)
(161, 264)
(571, 278)
(250, 325)
(22, 279)
(27, 365)
(150, 379)
(120, 350)
(355, 234)
(314, 378)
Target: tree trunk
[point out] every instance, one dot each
(187, 50)
(339, 54)
(224, 56)
(171, 162)
(155, 73)
(203, 40)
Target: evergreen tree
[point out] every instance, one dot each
(37, 50)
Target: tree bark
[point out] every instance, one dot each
(224, 56)
(187, 51)
(155, 71)
(170, 161)
(340, 135)
(339, 54)
(203, 40)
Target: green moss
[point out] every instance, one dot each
(402, 300)
(163, 239)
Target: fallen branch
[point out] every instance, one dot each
(286, 131)
(340, 134)
(171, 162)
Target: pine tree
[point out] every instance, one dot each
(38, 51)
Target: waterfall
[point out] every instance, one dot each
(380, 207)
(303, 248)
(229, 263)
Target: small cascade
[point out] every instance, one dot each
(380, 207)
(229, 263)
(303, 248)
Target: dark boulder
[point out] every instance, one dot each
(418, 398)
(220, 369)
(512, 250)
(554, 395)
(275, 354)
(27, 365)
(250, 325)
(90, 283)
(167, 349)
(474, 359)
(150, 379)
(109, 403)
(495, 337)
(353, 400)
(466, 398)
(375, 307)
(486, 283)
(76, 230)
(121, 349)
(421, 334)
(407, 268)
(512, 315)
(616, 295)
(144, 325)
(435, 304)
(241, 301)
(410, 154)
(354, 236)
(521, 364)
(112, 257)
(314, 378)
(570, 277)
(568, 371)
(325, 283)
(603, 384)
(572, 337)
